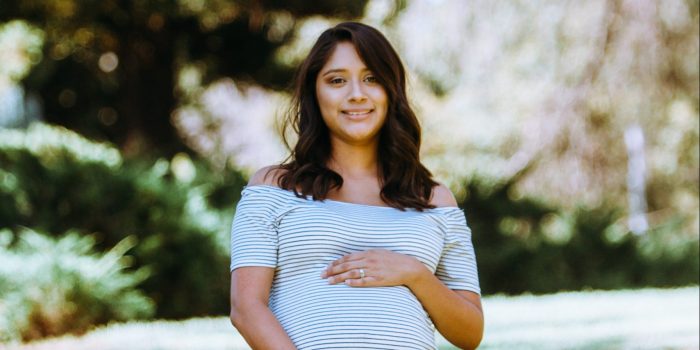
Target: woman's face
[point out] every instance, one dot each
(353, 104)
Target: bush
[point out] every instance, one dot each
(523, 245)
(179, 212)
(54, 286)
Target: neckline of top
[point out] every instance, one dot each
(342, 202)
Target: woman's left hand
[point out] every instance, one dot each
(382, 268)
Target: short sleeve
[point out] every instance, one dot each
(253, 232)
(457, 266)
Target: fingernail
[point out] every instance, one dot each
(330, 280)
(323, 274)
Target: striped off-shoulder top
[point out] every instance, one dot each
(299, 237)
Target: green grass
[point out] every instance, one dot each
(631, 319)
(634, 319)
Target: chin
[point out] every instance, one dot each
(361, 138)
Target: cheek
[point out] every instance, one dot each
(379, 96)
(382, 102)
(325, 106)
(326, 100)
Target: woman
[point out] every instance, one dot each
(350, 243)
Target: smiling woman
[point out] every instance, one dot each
(353, 104)
(351, 243)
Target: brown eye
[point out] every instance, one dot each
(336, 81)
(370, 79)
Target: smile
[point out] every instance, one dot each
(354, 114)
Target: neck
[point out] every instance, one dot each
(354, 161)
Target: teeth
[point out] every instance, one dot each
(357, 113)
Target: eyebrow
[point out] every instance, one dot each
(340, 70)
(336, 70)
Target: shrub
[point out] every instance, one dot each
(523, 245)
(50, 286)
(54, 180)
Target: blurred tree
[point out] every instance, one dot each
(548, 84)
(109, 67)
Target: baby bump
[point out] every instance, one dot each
(316, 314)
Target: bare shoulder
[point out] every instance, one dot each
(266, 176)
(443, 197)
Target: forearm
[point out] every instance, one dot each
(460, 321)
(260, 328)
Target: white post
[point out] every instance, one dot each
(636, 176)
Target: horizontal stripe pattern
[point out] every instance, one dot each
(299, 237)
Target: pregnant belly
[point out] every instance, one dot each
(317, 315)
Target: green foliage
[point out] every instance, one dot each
(50, 286)
(524, 245)
(179, 218)
(129, 101)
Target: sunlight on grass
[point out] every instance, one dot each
(631, 319)
(640, 319)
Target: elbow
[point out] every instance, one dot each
(476, 333)
(235, 318)
(475, 340)
(236, 314)
(242, 311)
(471, 339)
(477, 336)
(468, 344)
(471, 343)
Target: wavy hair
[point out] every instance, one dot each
(405, 182)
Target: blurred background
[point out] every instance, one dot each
(568, 131)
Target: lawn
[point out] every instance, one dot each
(630, 319)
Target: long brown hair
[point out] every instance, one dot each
(406, 183)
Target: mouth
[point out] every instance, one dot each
(357, 113)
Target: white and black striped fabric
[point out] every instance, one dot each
(299, 237)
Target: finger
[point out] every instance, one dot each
(342, 268)
(361, 282)
(350, 274)
(348, 257)
(333, 268)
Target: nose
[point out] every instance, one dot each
(357, 94)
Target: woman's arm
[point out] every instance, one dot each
(457, 314)
(250, 314)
